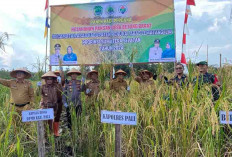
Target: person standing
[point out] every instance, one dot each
(119, 84)
(180, 78)
(51, 98)
(206, 78)
(93, 86)
(22, 93)
(72, 95)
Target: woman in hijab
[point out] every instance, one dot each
(70, 56)
(169, 52)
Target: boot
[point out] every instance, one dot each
(56, 128)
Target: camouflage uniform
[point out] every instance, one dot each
(209, 79)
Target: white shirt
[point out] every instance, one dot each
(155, 54)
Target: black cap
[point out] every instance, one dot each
(57, 46)
(202, 63)
(157, 41)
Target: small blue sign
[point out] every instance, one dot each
(37, 115)
(124, 118)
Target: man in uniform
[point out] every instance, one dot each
(60, 81)
(119, 84)
(72, 94)
(51, 98)
(56, 58)
(144, 78)
(207, 78)
(180, 79)
(155, 52)
(93, 86)
(22, 93)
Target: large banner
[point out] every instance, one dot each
(110, 32)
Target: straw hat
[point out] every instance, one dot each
(49, 74)
(27, 73)
(121, 71)
(91, 72)
(145, 71)
(56, 72)
(73, 71)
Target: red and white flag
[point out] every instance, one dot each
(186, 32)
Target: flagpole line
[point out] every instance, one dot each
(46, 57)
(184, 28)
(174, 10)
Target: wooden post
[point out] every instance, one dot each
(41, 140)
(117, 140)
(220, 60)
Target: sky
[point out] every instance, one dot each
(25, 19)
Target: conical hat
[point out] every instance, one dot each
(91, 72)
(145, 71)
(27, 73)
(121, 71)
(73, 70)
(56, 72)
(49, 74)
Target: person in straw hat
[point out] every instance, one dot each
(72, 94)
(22, 93)
(144, 78)
(51, 98)
(119, 84)
(93, 86)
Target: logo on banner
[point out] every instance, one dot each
(122, 9)
(110, 10)
(98, 10)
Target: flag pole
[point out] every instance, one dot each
(46, 56)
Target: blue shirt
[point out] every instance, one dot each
(168, 53)
(70, 57)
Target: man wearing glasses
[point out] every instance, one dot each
(180, 79)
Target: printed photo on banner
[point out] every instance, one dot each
(156, 53)
(109, 32)
(69, 58)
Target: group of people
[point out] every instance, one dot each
(57, 91)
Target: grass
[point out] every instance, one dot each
(171, 122)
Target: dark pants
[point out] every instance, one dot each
(77, 110)
(58, 113)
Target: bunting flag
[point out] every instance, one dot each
(191, 2)
(46, 5)
(186, 32)
(46, 21)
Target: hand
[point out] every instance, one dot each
(88, 91)
(128, 88)
(131, 65)
(39, 84)
(65, 105)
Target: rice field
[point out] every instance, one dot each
(171, 122)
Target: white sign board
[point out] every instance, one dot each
(37, 115)
(225, 117)
(125, 118)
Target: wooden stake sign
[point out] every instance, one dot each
(40, 116)
(118, 118)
